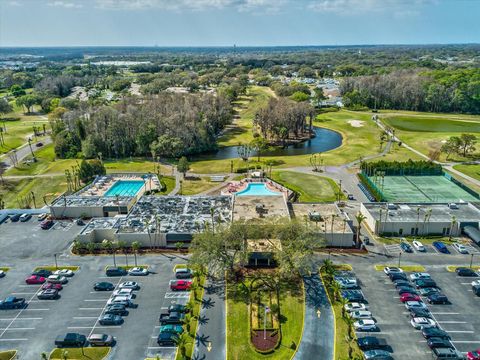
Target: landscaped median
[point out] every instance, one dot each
(55, 268)
(4, 268)
(88, 353)
(407, 268)
(127, 267)
(345, 339)
(452, 268)
(246, 301)
(8, 355)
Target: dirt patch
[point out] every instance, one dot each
(356, 123)
(270, 341)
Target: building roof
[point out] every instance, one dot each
(259, 208)
(91, 201)
(303, 211)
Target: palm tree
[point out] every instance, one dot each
(135, 247)
(349, 342)
(359, 217)
(182, 341)
(336, 290)
(44, 356)
(343, 302)
(454, 222)
(328, 267)
(212, 213)
(428, 215)
(349, 322)
(108, 246)
(331, 225)
(91, 247)
(122, 245)
(418, 219)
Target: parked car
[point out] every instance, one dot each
(425, 283)
(70, 340)
(476, 290)
(354, 296)
(183, 273)
(420, 312)
(429, 291)
(110, 319)
(138, 271)
(463, 271)
(347, 283)
(121, 300)
(419, 275)
(421, 323)
(101, 340)
(41, 217)
(129, 285)
(15, 217)
(475, 282)
(437, 298)
(50, 286)
(46, 224)
(355, 307)
(178, 308)
(371, 343)
(392, 269)
(435, 332)
(365, 325)
(11, 303)
(42, 272)
(401, 282)
(64, 272)
(406, 247)
(171, 318)
(117, 309)
(57, 279)
(440, 246)
(361, 314)
(409, 297)
(447, 353)
(407, 290)
(34, 280)
(25, 217)
(436, 342)
(474, 354)
(415, 304)
(167, 339)
(118, 298)
(103, 286)
(180, 285)
(80, 222)
(176, 329)
(2, 273)
(115, 271)
(460, 248)
(398, 276)
(377, 354)
(124, 292)
(49, 294)
(418, 246)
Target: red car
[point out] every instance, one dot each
(473, 355)
(179, 285)
(34, 280)
(409, 297)
(48, 286)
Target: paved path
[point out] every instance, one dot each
(318, 332)
(24, 151)
(211, 332)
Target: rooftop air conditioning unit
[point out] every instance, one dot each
(453, 206)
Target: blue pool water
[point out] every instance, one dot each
(257, 190)
(125, 188)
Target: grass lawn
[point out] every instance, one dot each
(408, 268)
(8, 355)
(197, 186)
(169, 181)
(238, 327)
(311, 188)
(54, 268)
(5, 269)
(91, 353)
(472, 170)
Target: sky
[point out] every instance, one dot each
(240, 22)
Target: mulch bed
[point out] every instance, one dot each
(265, 344)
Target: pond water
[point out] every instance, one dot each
(324, 140)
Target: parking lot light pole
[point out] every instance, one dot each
(399, 258)
(56, 264)
(471, 260)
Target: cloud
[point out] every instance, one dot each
(354, 7)
(66, 4)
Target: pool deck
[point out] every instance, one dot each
(234, 187)
(104, 184)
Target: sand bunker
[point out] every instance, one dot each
(356, 123)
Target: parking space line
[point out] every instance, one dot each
(17, 329)
(97, 327)
(13, 339)
(161, 347)
(95, 300)
(23, 293)
(460, 331)
(90, 308)
(445, 313)
(85, 317)
(36, 309)
(26, 319)
(451, 322)
(465, 341)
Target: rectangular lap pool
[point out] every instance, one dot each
(258, 189)
(124, 188)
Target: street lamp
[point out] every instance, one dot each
(56, 264)
(399, 258)
(471, 260)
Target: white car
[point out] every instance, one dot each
(129, 285)
(418, 245)
(355, 307)
(421, 323)
(365, 325)
(361, 314)
(475, 282)
(347, 283)
(419, 275)
(57, 279)
(138, 271)
(42, 216)
(123, 292)
(64, 272)
(392, 270)
(460, 248)
(2, 273)
(118, 299)
(415, 304)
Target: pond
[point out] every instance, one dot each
(324, 140)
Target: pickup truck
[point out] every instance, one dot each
(70, 340)
(371, 342)
(12, 302)
(171, 318)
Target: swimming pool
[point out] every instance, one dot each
(257, 190)
(125, 188)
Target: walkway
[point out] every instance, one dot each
(24, 151)
(319, 325)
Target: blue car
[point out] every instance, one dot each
(440, 246)
(406, 247)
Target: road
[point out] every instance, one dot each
(24, 151)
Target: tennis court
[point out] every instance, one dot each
(421, 189)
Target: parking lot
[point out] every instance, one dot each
(33, 330)
(460, 318)
(394, 249)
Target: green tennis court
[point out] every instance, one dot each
(422, 189)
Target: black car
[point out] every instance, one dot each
(110, 319)
(43, 273)
(371, 342)
(401, 282)
(116, 271)
(398, 276)
(436, 342)
(15, 218)
(406, 247)
(354, 296)
(407, 289)
(167, 339)
(420, 312)
(435, 332)
(116, 309)
(437, 298)
(103, 286)
(429, 291)
(425, 283)
(463, 271)
(476, 289)
(49, 294)
(178, 308)
(70, 340)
